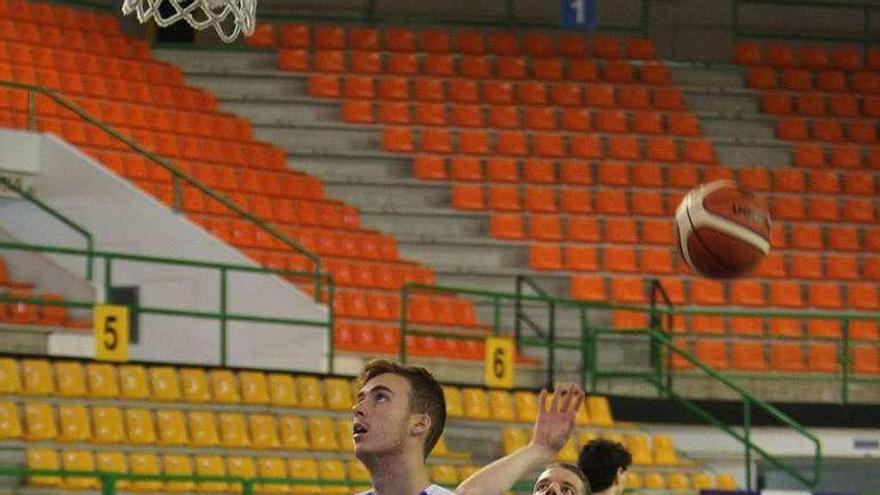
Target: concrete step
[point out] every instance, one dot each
(327, 165)
(293, 110)
(439, 222)
(743, 152)
(737, 128)
(434, 251)
(398, 194)
(712, 75)
(253, 85)
(721, 100)
(218, 60)
(332, 137)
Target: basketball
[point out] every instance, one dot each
(722, 231)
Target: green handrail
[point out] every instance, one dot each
(663, 384)
(222, 315)
(90, 246)
(866, 37)
(177, 174)
(509, 20)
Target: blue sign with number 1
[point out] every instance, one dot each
(578, 14)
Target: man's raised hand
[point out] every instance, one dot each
(556, 415)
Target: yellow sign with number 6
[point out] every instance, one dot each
(111, 333)
(499, 362)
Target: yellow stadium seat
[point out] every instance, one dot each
(679, 481)
(264, 431)
(309, 389)
(638, 447)
(358, 474)
(526, 406)
(172, 427)
(74, 420)
(242, 467)
(464, 472)
(203, 429)
(583, 415)
(254, 387)
(600, 412)
(179, 465)
(10, 424)
(144, 463)
(725, 481)
(513, 438)
(112, 462)
(39, 418)
(333, 470)
(338, 394)
(664, 452)
(440, 449)
(454, 408)
(476, 403)
(633, 480)
(568, 452)
(164, 384)
(133, 382)
(42, 458)
(655, 481)
(501, 405)
(303, 469)
(210, 465)
(272, 467)
(224, 386)
(322, 434)
(293, 433)
(101, 378)
(703, 481)
(343, 431)
(585, 437)
(139, 426)
(233, 430)
(37, 377)
(444, 474)
(10, 377)
(70, 379)
(79, 460)
(194, 384)
(282, 390)
(615, 437)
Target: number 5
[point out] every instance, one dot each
(110, 339)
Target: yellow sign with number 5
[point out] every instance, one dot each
(111, 333)
(499, 362)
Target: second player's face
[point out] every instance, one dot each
(558, 481)
(381, 416)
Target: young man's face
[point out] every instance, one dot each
(558, 481)
(382, 419)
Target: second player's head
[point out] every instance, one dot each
(605, 463)
(561, 479)
(398, 409)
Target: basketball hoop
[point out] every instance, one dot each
(229, 17)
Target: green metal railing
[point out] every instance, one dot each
(659, 376)
(511, 18)
(79, 229)
(223, 316)
(868, 10)
(179, 177)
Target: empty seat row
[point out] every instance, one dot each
(60, 16)
(503, 43)
(773, 328)
(550, 257)
(85, 41)
(44, 314)
(655, 480)
(547, 144)
(421, 309)
(338, 476)
(818, 104)
(569, 200)
(170, 427)
(803, 80)
(472, 66)
(782, 357)
(832, 130)
(815, 155)
(496, 92)
(815, 57)
(516, 117)
(68, 60)
(657, 451)
(71, 84)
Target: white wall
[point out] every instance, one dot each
(122, 218)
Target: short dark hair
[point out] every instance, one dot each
(425, 397)
(600, 461)
(574, 469)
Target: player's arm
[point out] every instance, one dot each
(553, 425)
